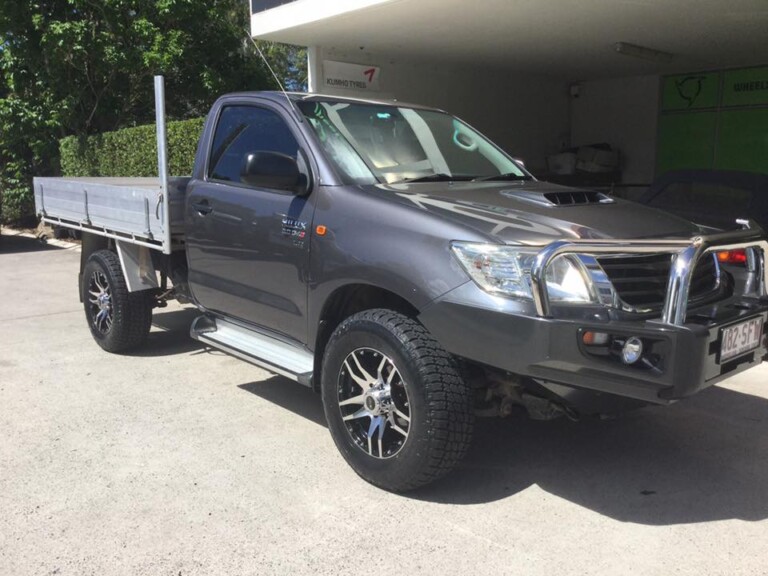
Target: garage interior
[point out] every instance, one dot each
(665, 84)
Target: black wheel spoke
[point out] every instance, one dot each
(377, 420)
(100, 302)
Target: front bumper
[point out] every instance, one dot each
(507, 335)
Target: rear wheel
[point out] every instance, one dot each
(119, 320)
(396, 407)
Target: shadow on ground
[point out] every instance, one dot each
(701, 460)
(290, 395)
(19, 244)
(170, 334)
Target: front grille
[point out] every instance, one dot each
(641, 281)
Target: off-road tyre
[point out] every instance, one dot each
(130, 312)
(440, 404)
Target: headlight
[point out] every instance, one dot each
(506, 270)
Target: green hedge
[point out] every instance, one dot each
(16, 198)
(131, 151)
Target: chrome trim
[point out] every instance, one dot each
(604, 285)
(687, 254)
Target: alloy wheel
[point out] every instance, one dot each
(100, 302)
(373, 400)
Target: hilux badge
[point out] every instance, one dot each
(295, 229)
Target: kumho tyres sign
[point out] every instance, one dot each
(714, 120)
(345, 76)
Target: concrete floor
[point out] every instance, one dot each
(180, 460)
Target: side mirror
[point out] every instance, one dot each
(266, 169)
(519, 161)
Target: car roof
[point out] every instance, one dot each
(278, 96)
(753, 181)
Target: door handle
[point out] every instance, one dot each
(203, 207)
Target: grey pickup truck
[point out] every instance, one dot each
(406, 268)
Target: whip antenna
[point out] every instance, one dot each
(280, 84)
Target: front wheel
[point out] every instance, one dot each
(119, 320)
(396, 406)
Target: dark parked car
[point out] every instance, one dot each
(712, 198)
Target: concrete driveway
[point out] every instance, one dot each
(181, 460)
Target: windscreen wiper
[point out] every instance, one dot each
(439, 177)
(509, 176)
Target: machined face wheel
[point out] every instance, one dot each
(395, 404)
(374, 405)
(118, 319)
(100, 302)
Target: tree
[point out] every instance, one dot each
(288, 62)
(86, 66)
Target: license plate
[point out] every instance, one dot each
(740, 339)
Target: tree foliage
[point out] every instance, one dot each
(80, 67)
(288, 62)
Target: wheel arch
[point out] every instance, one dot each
(347, 300)
(140, 266)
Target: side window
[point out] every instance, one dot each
(242, 130)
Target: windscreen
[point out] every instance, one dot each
(371, 143)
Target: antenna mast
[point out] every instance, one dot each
(280, 84)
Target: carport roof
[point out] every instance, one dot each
(573, 39)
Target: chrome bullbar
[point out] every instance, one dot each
(687, 254)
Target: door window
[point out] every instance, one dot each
(242, 130)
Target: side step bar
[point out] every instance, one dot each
(255, 347)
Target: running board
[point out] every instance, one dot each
(255, 347)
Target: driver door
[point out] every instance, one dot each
(248, 246)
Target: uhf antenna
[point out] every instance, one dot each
(280, 84)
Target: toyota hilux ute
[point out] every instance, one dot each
(406, 268)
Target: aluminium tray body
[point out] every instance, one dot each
(128, 209)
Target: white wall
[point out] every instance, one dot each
(527, 116)
(622, 112)
(530, 117)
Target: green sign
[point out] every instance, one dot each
(686, 141)
(714, 120)
(742, 142)
(745, 87)
(691, 91)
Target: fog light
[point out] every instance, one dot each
(632, 350)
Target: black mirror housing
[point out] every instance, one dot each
(266, 169)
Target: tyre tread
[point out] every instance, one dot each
(449, 400)
(132, 310)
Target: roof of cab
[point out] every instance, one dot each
(278, 96)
